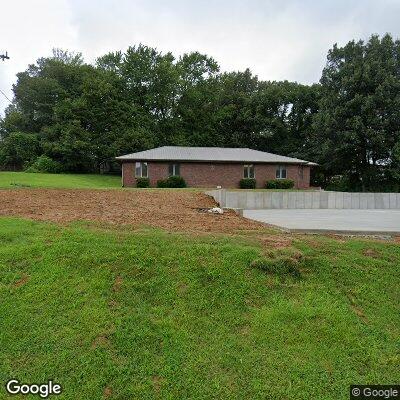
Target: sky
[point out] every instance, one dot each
(276, 39)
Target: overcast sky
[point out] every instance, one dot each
(276, 39)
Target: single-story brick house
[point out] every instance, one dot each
(213, 166)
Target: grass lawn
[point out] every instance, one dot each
(116, 313)
(13, 180)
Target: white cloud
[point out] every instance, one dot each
(275, 39)
(29, 30)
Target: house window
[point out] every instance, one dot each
(174, 170)
(248, 171)
(280, 172)
(141, 170)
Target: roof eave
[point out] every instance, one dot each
(122, 158)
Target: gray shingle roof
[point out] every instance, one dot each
(203, 154)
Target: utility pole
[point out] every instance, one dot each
(4, 57)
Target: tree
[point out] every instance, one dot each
(83, 115)
(357, 126)
(19, 148)
(235, 116)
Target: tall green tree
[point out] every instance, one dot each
(357, 127)
(83, 115)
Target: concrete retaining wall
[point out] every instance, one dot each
(254, 200)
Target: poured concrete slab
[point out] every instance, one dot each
(331, 220)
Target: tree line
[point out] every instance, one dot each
(80, 116)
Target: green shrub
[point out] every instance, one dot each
(45, 164)
(162, 183)
(142, 182)
(280, 184)
(281, 265)
(172, 182)
(247, 183)
(176, 182)
(340, 184)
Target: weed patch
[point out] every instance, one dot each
(280, 265)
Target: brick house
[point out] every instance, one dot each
(209, 167)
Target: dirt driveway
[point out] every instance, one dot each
(178, 210)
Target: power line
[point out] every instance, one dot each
(5, 96)
(4, 57)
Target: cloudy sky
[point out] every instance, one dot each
(276, 39)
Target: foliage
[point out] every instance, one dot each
(338, 183)
(247, 183)
(282, 265)
(44, 164)
(162, 183)
(142, 182)
(83, 115)
(176, 182)
(357, 126)
(18, 148)
(172, 182)
(279, 184)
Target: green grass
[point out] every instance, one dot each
(24, 180)
(14, 180)
(152, 315)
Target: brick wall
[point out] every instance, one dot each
(209, 175)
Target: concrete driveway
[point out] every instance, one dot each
(343, 221)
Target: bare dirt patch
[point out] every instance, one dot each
(107, 392)
(182, 288)
(166, 209)
(101, 341)
(157, 383)
(113, 304)
(360, 313)
(20, 282)
(117, 284)
(371, 253)
(244, 330)
(276, 241)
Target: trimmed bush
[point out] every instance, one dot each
(45, 164)
(162, 183)
(172, 182)
(247, 183)
(176, 182)
(281, 265)
(280, 184)
(142, 182)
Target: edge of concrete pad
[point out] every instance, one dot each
(323, 231)
(239, 211)
(345, 232)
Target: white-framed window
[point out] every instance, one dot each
(281, 172)
(141, 170)
(174, 169)
(248, 171)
